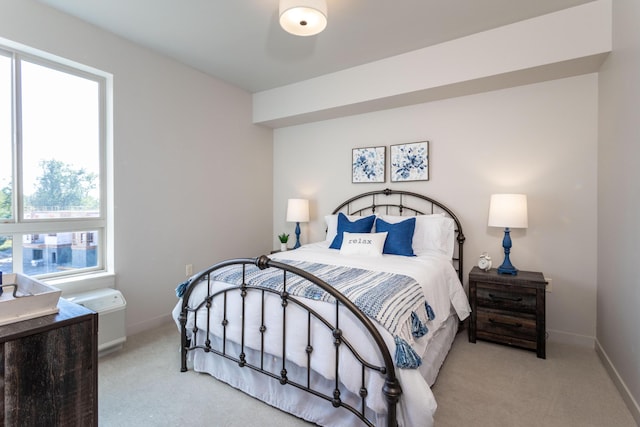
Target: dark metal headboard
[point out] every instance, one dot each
(397, 202)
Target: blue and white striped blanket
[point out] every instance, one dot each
(393, 300)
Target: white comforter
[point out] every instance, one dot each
(443, 292)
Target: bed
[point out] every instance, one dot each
(347, 331)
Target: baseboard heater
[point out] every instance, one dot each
(111, 307)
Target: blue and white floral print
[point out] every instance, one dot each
(368, 164)
(410, 162)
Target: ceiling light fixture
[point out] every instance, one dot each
(303, 17)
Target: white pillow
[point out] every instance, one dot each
(370, 244)
(433, 233)
(332, 224)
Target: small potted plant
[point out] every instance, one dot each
(284, 238)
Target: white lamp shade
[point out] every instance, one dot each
(298, 210)
(508, 210)
(303, 17)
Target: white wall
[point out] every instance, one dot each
(539, 139)
(619, 205)
(192, 174)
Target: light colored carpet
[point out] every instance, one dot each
(480, 384)
(486, 384)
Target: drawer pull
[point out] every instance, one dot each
(497, 298)
(511, 325)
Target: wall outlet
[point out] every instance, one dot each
(189, 270)
(549, 286)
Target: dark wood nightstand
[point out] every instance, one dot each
(49, 369)
(508, 309)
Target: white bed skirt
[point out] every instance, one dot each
(319, 411)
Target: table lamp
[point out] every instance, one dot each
(297, 211)
(508, 211)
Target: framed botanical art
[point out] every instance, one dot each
(368, 164)
(410, 162)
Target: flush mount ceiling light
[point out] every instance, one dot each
(303, 17)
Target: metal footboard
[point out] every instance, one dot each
(341, 342)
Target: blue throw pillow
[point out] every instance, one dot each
(399, 238)
(363, 225)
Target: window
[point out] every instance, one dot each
(52, 167)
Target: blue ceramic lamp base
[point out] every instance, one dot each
(297, 245)
(506, 267)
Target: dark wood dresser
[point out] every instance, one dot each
(508, 309)
(49, 369)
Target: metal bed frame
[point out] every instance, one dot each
(393, 202)
(371, 202)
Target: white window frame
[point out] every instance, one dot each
(103, 273)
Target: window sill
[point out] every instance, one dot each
(83, 283)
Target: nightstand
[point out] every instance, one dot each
(49, 369)
(508, 309)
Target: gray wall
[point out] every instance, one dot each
(618, 335)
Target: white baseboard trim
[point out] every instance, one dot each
(569, 338)
(628, 398)
(149, 324)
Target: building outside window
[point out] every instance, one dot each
(52, 166)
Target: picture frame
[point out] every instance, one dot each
(409, 162)
(368, 165)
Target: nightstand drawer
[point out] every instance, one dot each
(521, 326)
(502, 297)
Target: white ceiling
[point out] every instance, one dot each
(241, 42)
